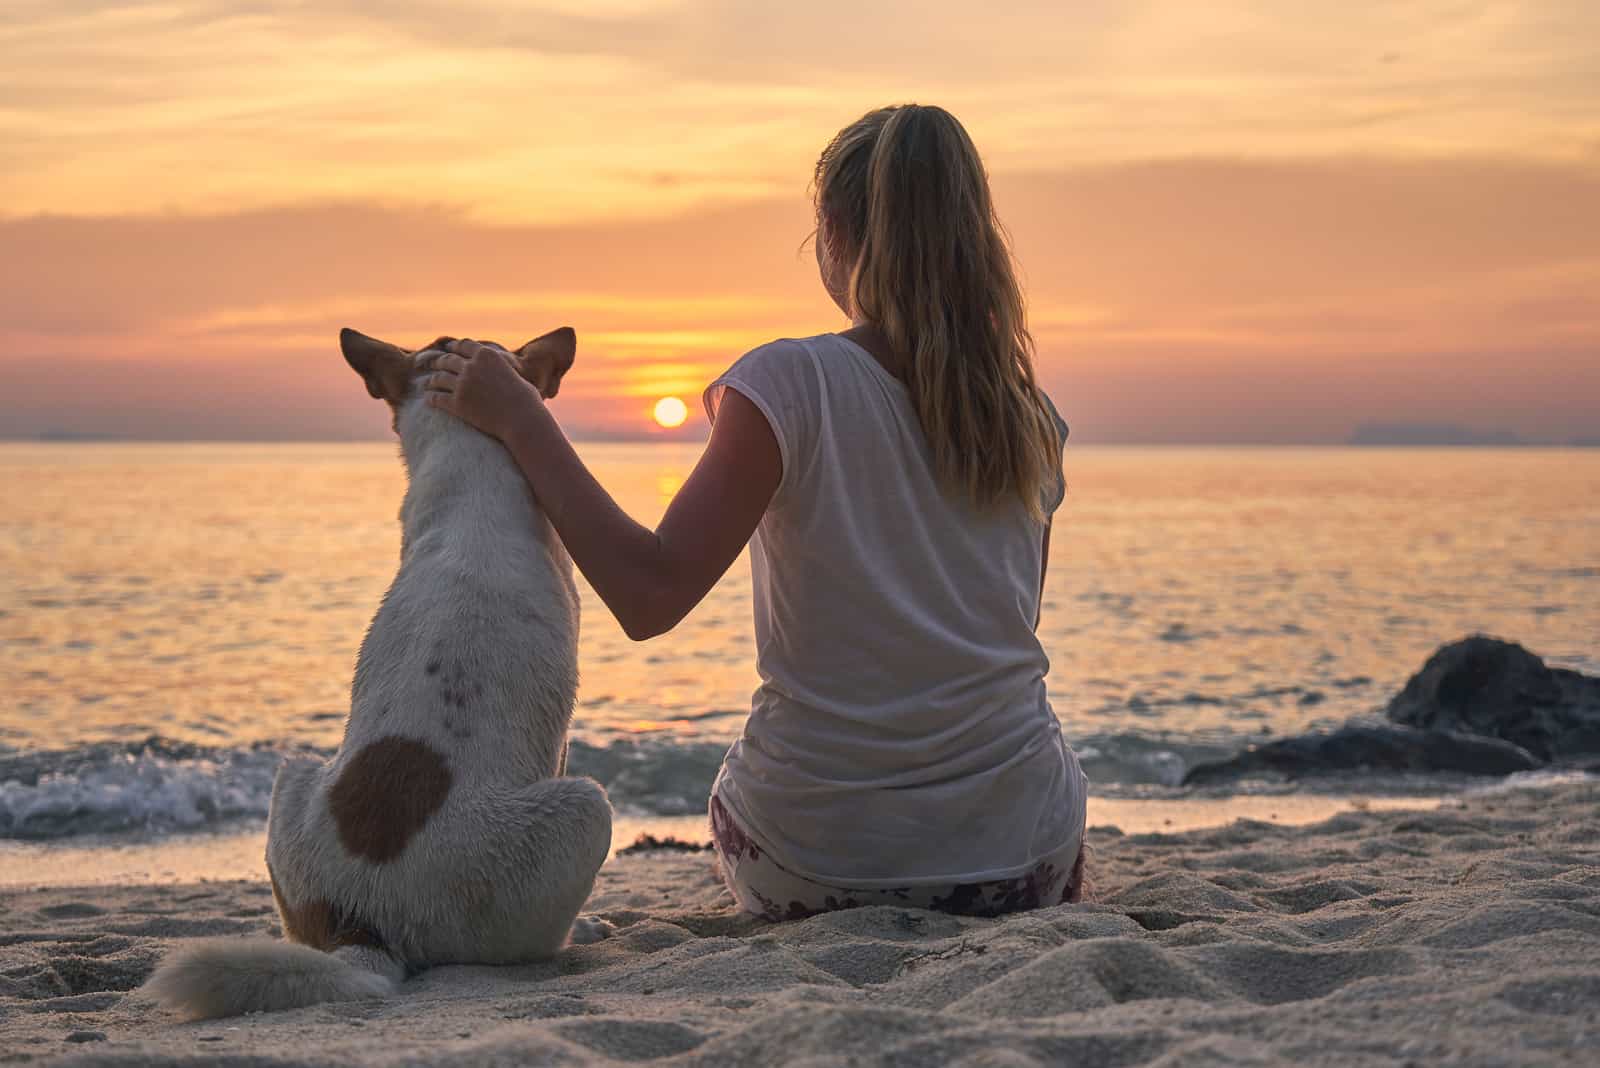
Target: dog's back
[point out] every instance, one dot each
(473, 650)
(442, 830)
(464, 686)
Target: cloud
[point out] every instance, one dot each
(1367, 255)
(1205, 299)
(557, 111)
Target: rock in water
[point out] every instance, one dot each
(1369, 749)
(1481, 685)
(1480, 706)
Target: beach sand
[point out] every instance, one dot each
(1465, 934)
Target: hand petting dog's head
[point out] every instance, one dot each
(389, 370)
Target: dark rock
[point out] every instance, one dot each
(1481, 685)
(1480, 706)
(1369, 748)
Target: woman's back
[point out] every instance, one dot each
(901, 730)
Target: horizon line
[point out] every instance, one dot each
(624, 438)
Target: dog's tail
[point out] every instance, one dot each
(229, 977)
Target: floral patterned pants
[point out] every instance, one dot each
(765, 888)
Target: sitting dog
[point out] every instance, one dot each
(444, 831)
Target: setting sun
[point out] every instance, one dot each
(671, 412)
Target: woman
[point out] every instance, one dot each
(895, 482)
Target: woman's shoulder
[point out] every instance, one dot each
(784, 358)
(774, 351)
(778, 376)
(830, 354)
(788, 348)
(792, 370)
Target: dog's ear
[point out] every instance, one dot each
(385, 368)
(546, 358)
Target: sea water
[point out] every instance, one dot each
(176, 617)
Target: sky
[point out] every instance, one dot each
(1236, 222)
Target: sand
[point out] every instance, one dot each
(1467, 934)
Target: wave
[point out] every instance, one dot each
(163, 785)
(109, 787)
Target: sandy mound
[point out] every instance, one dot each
(1467, 935)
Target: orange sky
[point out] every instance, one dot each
(1236, 221)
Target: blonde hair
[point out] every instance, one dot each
(901, 192)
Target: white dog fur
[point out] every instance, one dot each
(444, 831)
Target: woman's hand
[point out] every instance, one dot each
(479, 384)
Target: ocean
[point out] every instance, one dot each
(175, 617)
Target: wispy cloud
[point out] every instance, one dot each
(1179, 300)
(1236, 220)
(556, 111)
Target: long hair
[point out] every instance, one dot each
(902, 195)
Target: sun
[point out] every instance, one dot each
(671, 412)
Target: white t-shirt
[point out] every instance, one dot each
(901, 732)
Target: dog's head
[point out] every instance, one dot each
(390, 371)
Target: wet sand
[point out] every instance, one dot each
(228, 855)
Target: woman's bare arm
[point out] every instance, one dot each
(648, 579)
(651, 579)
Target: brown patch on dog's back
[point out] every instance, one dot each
(319, 924)
(386, 794)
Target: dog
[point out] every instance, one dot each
(445, 829)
